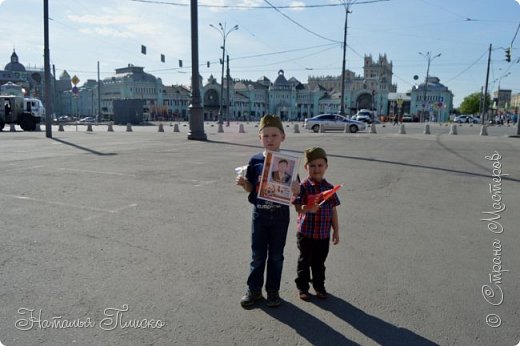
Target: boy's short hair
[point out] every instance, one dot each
(314, 153)
(271, 121)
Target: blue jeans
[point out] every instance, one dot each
(268, 235)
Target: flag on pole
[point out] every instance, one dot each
(163, 58)
(143, 49)
(321, 197)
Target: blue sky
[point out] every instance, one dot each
(83, 32)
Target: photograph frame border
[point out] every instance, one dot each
(267, 188)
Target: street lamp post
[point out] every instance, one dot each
(429, 57)
(342, 101)
(196, 131)
(222, 29)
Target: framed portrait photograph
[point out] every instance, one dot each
(280, 170)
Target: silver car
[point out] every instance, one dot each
(333, 122)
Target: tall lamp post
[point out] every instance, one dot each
(428, 57)
(196, 131)
(222, 29)
(342, 101)
(47, 69)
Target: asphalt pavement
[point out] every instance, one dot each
(142, 238)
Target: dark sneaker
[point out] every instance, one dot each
(304, 295)
(250, 298)
(321, 294)
(273, 300)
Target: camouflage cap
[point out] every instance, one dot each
(270, 121)
(314, 153)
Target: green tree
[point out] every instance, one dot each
(471, 104)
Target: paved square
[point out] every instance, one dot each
(142, 238)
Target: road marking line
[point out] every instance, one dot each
(81, 207)
(97, 172)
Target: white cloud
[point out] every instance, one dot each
(297, 6)
(101, 20)
(105, 31)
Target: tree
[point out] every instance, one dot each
(471, 104)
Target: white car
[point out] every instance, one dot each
(333, 122)
(364, 116)
(87, 120)
(465, 119)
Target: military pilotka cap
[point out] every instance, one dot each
(312, 154)
(270, 121)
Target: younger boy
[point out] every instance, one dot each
(269, 221)
(314, 224)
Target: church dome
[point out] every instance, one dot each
(14, 65)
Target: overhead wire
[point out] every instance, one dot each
(237, 6)
(469, 67)
(298, 24)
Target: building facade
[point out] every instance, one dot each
(432, 99)
(286, 97)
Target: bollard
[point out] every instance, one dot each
(296, 128)
(89, 128)
(220, 128)
(483, 130)
(12, 128)
(110, 128)
(128, 127)
(322, 128)
(161, 128)
(373, 128)
(453, 129)
(176, 127)
(402, 130)
(347, 128)
(60, 128)
(241, 129)
(427, 129)
(37, 128)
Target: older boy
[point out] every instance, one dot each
(269, 221)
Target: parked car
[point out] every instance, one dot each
(465, 119)
(333, 122)
(364, 115)
(87, 120)
(64, 118)
(407, 118)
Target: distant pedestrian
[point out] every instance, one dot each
(314, 224)
(270, 221)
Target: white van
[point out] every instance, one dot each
(35, 107)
